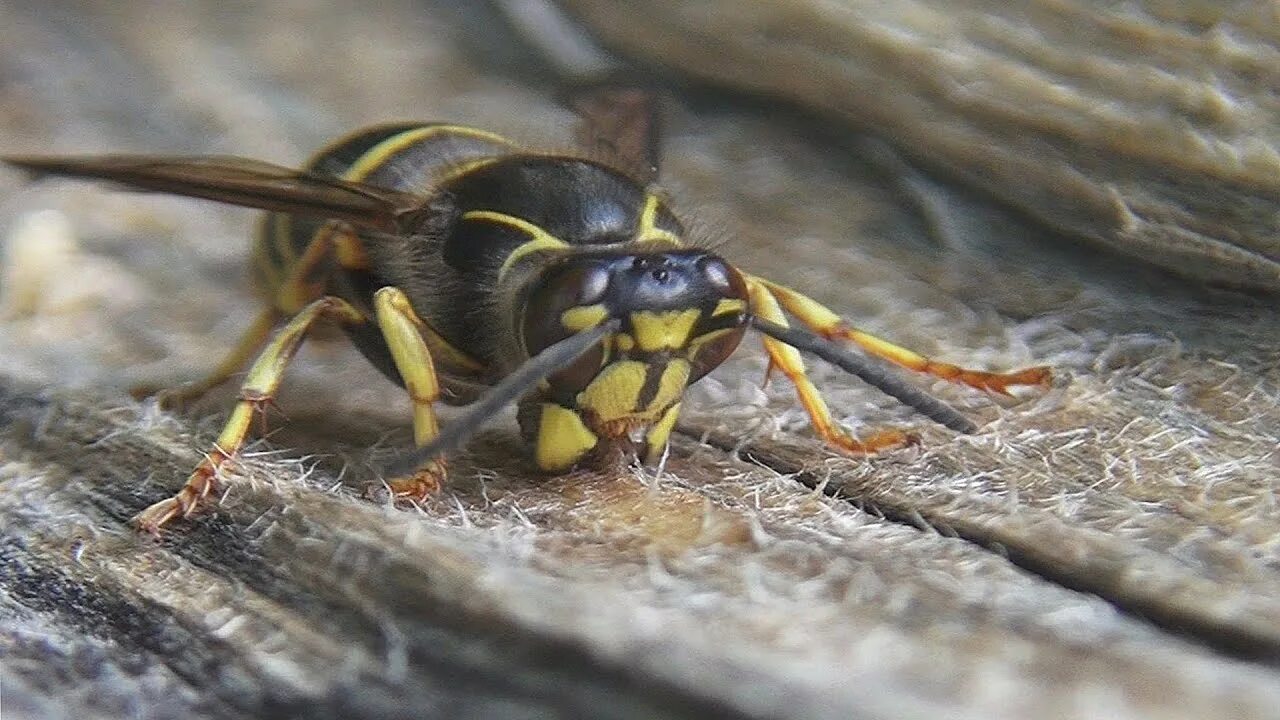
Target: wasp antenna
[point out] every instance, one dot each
(870, 371)
(525, 377)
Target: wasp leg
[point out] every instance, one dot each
(404, 333)
(823, 321)
(245, 349)
(259, 388)
(787, 359)
(301, 286)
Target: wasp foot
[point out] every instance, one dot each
(196, 493)
(419, 485)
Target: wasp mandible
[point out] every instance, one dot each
(472, 270)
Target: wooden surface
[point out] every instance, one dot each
(1147, 127)
(1104, 549)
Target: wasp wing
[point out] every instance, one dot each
(622, 124)
(239, 181)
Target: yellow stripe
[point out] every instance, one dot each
(696, 343)
(541, 239)
(577, 319)
(648, 230)
(378, 154)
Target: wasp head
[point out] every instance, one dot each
(686, 304)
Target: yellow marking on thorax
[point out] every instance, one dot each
(615, 392)
(378, 154)
(577, 319)
(563, 438)
(539, 239)
(663, 330)
(648, 231)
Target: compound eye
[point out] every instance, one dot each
(592, 285)
(716, 271)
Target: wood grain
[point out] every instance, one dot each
(1147, 128)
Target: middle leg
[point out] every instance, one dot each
(404, 333)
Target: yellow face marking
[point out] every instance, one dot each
(615, 392)
(727, 306)
(663, 330)
(648, 230)
(562, 438)
(674, 378)
(379, 154)
(539, 239)
(656, 439)
(577, 319)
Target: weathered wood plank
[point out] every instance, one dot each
(1152, 488)
(1149, 128)
(293, 597)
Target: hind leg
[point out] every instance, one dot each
(257, 392)
(245, 349)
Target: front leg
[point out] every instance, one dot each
(787, 359)
(826, 323)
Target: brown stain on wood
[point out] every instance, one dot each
(662, 519)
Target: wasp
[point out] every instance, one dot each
(475, 271)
